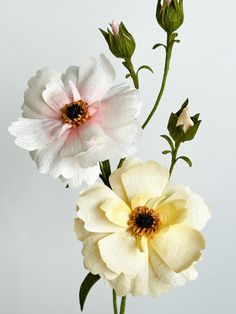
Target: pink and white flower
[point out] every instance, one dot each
(74, 120)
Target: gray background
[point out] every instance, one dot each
(41, 265)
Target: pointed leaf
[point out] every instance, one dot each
(186, 159)
(158, 45)
(166, 152)
(85, 287)
(145, 67)
(169, 140)
(127, 75)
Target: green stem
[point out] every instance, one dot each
(169, 47)
(129, 66)
(114, 298)
(122, 305)
(174, 158)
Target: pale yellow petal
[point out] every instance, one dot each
(178, 246)
(115, 177)
(172, 212)
(142, 244)
(79, 230)
(116, 211)
(147, 179)
(140, 200)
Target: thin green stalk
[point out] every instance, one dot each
(129, 66)
(114, 298)
(122, 305)
(174, 158)
(169, 47)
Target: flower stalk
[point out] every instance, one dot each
(114, 298)
(169, 47)
(122, 305)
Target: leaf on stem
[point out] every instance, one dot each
(145, 67)
(186, 159)
(159, 45)
(169, 140)
(166, 152)
(85, 287)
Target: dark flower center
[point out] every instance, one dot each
(75, 113)
(144, 220)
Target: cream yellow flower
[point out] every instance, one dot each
(142, 236)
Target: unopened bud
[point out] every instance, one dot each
(185, 120)
(115, 28)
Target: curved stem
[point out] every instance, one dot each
(122, 305)
(129, 66)
(169, 47)
(114, 298)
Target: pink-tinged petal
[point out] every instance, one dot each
(71, 74)
(56, 96)
(34, 104)
(95, 78)
(73, 91)
(115, 27)
(32, 134)
(118, 108)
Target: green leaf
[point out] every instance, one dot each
(145, 67)
(169, 140)
(85, 287)
(166, 152)
(159, 45)
(127, 75)
(186, 159)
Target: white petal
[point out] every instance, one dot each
(118, 110)
(120, 253)
(149, 178)
(92, 258)
(121, 284)
(32, 134)
(178, 246)
(71, 75)
(115, 177)
(34, 104)
(95, 78)
(198, 212)
(89, 209)
(167, 275)
(55, 95)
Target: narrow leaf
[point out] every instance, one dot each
(166, 152)
(85, 287)
(169, 140)
(186, 159)
(158, 45)
(127, 75)
(145, 67)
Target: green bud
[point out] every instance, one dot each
(121, 43)
(170, 14)
(181, 126)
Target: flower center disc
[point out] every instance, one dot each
(144, 221)
(75, 113)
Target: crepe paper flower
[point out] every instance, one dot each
(143, 236)
(115, 28)
(72, 121)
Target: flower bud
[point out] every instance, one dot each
(121, 43)
(170, 14)
(181, 126)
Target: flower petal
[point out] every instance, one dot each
(79, 230)
(116, 211)
(198, 212)
(120, 253)
(167, 275)
(172, 212)
(32, 134)
(149, 178)
(115, 177)
(178, 246)
(89, 204)
(95, 78)
(55, 95)
(92, 258)
(118, 109)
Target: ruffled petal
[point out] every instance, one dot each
(172, 212)
(118, 109)
(149, 179)
(92, 258)
(178, 246)
(166, 274)
(120, 253)
(55, 95)
(198, 212)
(95, 78)
(79, 230)
(115, 177)
(89, 211)
(32, 134)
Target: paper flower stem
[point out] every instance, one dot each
(174, 158)
(114, 297)
(129, 66)
(169, 47)
(122, 305)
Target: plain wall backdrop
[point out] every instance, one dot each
(41, 266)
